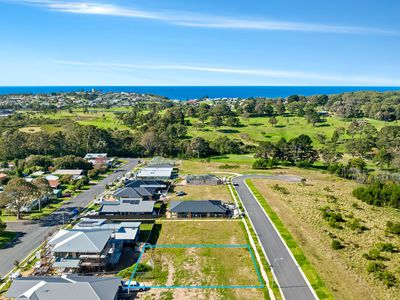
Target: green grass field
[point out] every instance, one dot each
(258, 129)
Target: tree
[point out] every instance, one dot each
(198, 147)
(216, 121)
(43, 187)
(17, 193)
(329, 153)
(273, 121)
(72, 162)
(383, 157)
(312, 116)
(232, 121)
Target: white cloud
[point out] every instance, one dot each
(192, 20)
(258, 73)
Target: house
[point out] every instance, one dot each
(156, 172)
(91, 249)
(150, 185)
(76, 174)
(206, 179)
(98, 159)
(127, 207)
(197, 209)
(65, 288)
(127, 232)
(34, 204)
(135, 193)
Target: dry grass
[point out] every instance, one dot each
(343, 271)
(205, 167)
(31, 129)
(201, 266)
(203, 192)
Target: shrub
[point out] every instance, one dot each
(374, 254)
(336, 245)
(387, 278)
(386, 247)
(356, 225)
(373, 267)
(393, 227)
(280, 189)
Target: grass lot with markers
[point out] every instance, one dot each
(199, 266)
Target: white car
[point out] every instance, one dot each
(92, 213)
(134, 286)
(15, 275)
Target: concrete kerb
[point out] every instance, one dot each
(283, 241)
(252, 243)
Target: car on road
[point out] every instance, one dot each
(133, 286)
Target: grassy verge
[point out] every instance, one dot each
(311, 274)
(6, 237)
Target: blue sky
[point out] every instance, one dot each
(193, 42)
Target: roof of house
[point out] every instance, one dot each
(127, 192)
(54, 183)
(197, 206)
(129, 206)
(155, 172)
(88, 241)
(145, 183)
(68, 172)
(64, 288)
(143, 192)
(95, 155)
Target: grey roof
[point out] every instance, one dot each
(129, 206)
(88, 241)
(127, 192)
(197, 206)
(145, 183)
(144, 192)
(70, 287)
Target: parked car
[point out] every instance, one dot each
(15, 275)
(91, 213)
(134, 286)
(180, 193)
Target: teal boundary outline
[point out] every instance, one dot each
(247, 246)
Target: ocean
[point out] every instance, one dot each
(194, 92)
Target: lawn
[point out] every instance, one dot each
(203, 192)
(200, 266)
(258, 129)
(6, 237)
(343, 271)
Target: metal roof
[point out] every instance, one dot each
(127, 192)
(126, 207)
(65, 288)
(88, 241)
(197, 206)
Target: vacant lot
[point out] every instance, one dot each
(203, 192)
(200, 266)
(344, 270)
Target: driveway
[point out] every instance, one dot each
(34, 233)
(287, 272)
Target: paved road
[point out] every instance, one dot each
(33, 233)
(292, 283)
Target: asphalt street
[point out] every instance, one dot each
(287, 272)
(34, 233)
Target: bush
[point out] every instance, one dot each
(387, 278)
(336, 245)
(373, 267)
(356, 225)
(386, 247)
(374, 254)
(280, 189)
(393, 227)
(379, 194)
(264, 164)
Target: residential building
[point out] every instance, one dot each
(76, 174)
(98, 159)
(67, 287)
(90, 249)
(127, 207)
(156, 172)
(206, 179)
(198, 209)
